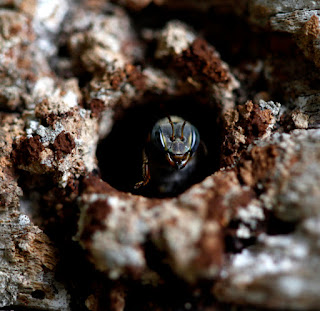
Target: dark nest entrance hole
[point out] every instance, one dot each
(120, 153)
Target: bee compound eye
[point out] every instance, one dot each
(157, 138)
(195, 139)
(162, 140)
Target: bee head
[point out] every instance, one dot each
(176, 137)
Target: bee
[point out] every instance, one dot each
(170, 156)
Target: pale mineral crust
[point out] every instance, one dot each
(244, 235)
(28, 263)
(281, 271)
(28, 257)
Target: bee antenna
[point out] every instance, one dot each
(172, 126)
(182, 128)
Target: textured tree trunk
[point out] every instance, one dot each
(81, 85)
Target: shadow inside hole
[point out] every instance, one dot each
(38, 294)
(120, 153)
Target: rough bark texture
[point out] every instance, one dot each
(82, 76)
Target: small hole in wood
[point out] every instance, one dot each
(120, 153)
